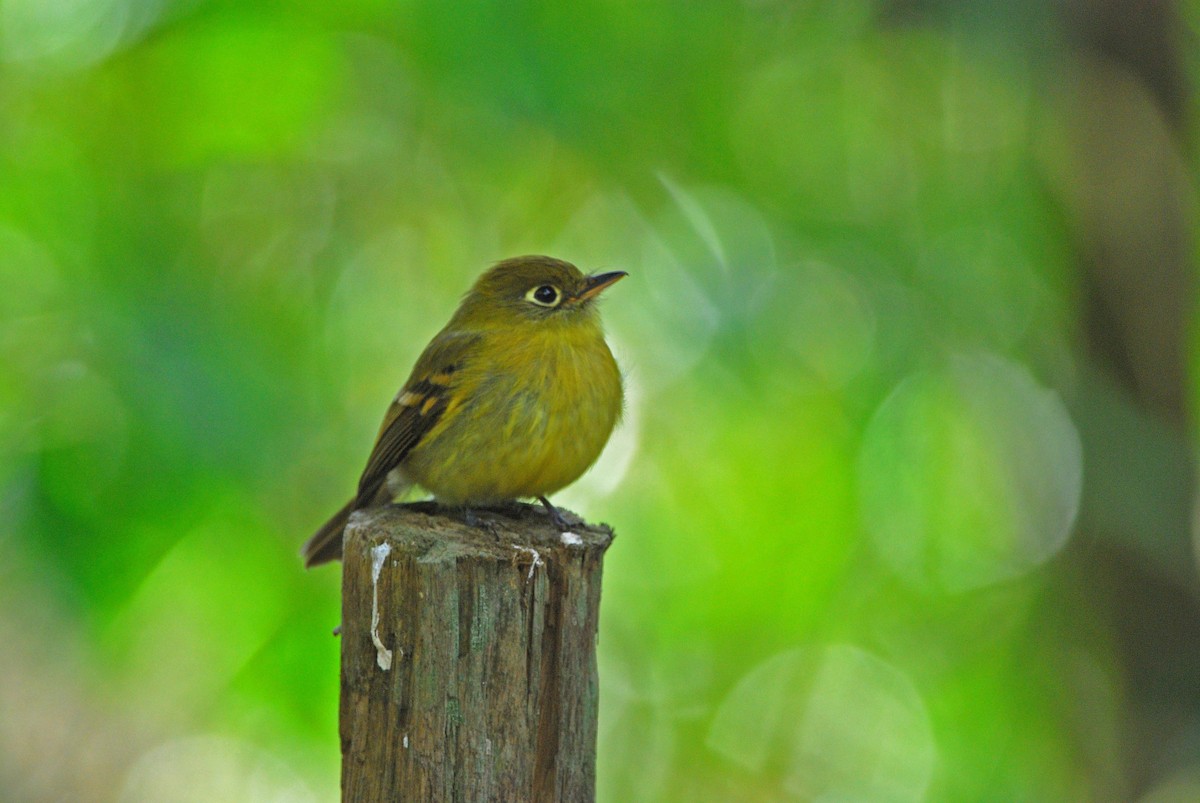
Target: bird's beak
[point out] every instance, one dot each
(596, 283)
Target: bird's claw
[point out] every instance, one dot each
(480, 523)
(557, 518)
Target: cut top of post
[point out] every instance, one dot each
(519, 531)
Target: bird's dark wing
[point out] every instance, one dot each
(416, 410)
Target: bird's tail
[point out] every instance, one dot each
(326, 545)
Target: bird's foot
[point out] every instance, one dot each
(560, 518)
(474, 520)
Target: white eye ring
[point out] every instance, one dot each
(544, 295)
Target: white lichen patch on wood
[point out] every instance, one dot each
(537, 559)
(379, 554)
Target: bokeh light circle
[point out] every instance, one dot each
(829, 723)
(969, 475)
(213, 767)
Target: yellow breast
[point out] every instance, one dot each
(537, 410)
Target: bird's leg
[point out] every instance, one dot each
(556, 516)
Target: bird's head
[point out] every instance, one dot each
(532, 289)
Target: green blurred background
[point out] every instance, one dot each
(904, 490)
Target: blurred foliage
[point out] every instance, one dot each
(849, 468)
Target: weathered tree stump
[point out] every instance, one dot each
(469, 656)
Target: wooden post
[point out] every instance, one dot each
(469, 657)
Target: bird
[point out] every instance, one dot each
(515, 398)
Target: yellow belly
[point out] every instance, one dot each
(533, 423)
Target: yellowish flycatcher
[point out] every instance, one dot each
(514, 398)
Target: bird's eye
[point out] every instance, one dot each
(544, 295)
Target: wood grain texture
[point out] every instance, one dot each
(491, 693)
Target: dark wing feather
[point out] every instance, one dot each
(417, 409)
(403, 428)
